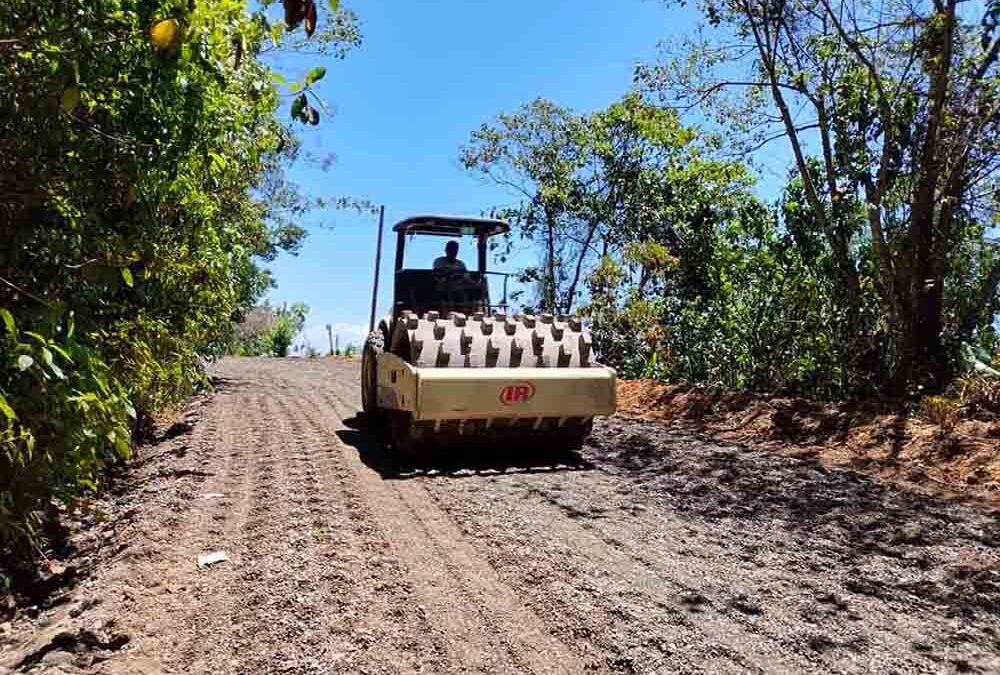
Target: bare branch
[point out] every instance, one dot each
(20, 290)
(706, 93)
(775, 137)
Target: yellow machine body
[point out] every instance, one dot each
(437, 394)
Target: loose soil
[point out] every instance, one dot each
(960, 463)
(654, 550)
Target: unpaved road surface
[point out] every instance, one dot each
(653, 551)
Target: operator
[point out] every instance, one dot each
(453, 278)
(449, 262)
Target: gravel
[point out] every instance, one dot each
(654, 550)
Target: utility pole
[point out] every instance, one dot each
(329, 334)
(338, 344)
(378, 263)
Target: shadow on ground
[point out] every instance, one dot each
(886, 541)
(456, 461)
(222, 384)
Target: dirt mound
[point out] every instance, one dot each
(903, 448)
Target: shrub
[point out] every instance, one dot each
(63, 419)
(978, 391)
(269, 331)
(142, 182)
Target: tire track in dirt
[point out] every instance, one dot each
(310, 585)
(292, 601)
(663, 555)
(253, 582)
(376, 610)
(610, 594)
(702, 587)
(805, 627)
(866, 576)
(702, 651)
(666, 587)
(695, 595)
(292, 598)
(486, 625)
(156, 582)
(220, 519)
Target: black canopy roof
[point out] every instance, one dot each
(451, 226)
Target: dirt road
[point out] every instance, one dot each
(654, 551)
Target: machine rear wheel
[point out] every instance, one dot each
(374, 415)
(374, 346)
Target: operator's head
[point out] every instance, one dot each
(451, 249)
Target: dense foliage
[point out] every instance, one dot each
(684, 272)
(889, 113)
(141, 176)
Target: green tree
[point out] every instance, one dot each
(142, 160)
(268, 331)
(686, 273)
(593, 184)
(537, 153)
(288, 322)
(890, 112)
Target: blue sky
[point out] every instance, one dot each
(428, 74)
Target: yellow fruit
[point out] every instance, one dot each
(70, 100)
(165, 34)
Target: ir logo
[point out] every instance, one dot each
(517, 393)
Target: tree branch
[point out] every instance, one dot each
(20, 290)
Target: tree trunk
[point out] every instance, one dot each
(577, 272)
(924, 362)
(549, 299)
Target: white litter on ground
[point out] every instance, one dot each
(211, 558)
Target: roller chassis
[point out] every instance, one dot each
(433, 378)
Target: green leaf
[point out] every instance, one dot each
(24, 362)
(6, 409)
(8, 320)
(315, 75)
(127, 277)
(61, 352)
(298, 107)
(219, 162)
(334, 5)
(121, 443)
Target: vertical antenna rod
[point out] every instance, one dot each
(378, 263)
